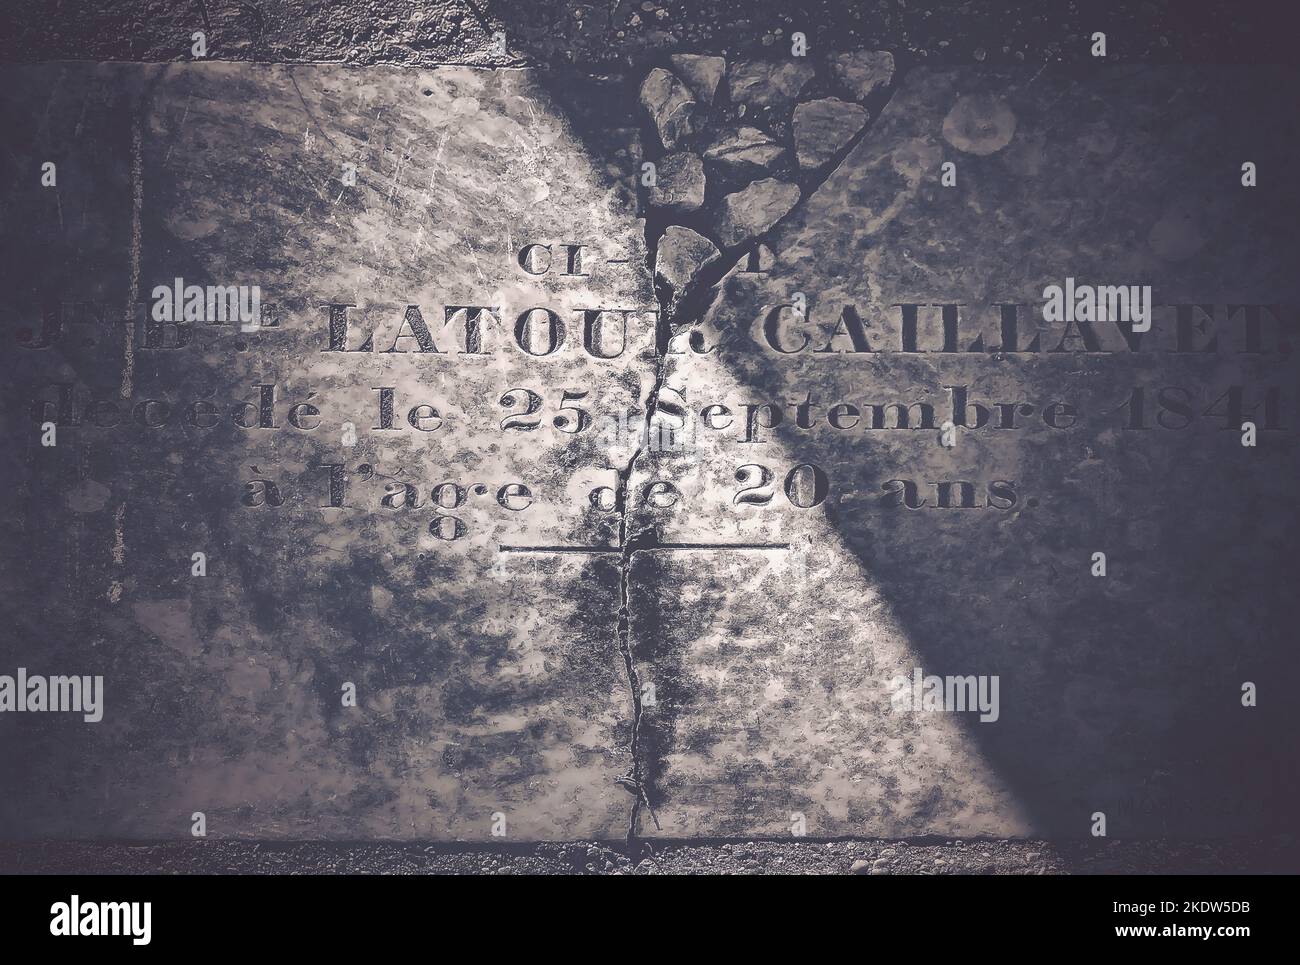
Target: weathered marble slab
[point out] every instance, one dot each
(486, 682)
(1119, 694)
(765, 582)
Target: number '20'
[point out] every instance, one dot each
(805, 485)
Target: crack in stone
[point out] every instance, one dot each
(634, 779)
(694, 304)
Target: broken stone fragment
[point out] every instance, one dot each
(745, 215)
(702, 73)
(682, 255)
(864, 72)
(679, 183)
(765, 83)
(670, 105)
(744, 152)
(823, 127)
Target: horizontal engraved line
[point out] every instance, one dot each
(654, 546)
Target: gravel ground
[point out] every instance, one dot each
(914, 857)
(567, 32)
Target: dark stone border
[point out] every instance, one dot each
(927, 856)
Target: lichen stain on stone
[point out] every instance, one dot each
(979, 124)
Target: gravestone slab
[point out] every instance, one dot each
(471, 533)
